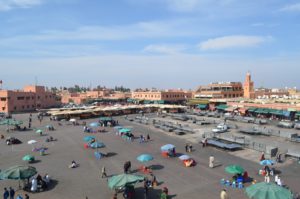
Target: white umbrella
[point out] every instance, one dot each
(32, 142)
(72, 120)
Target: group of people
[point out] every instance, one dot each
(10, 194)
(144, 139)
(188, 148)
(40, 183)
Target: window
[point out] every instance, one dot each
(28, 106)
(38, 97)
(3, 108)
(32, 106)
(15, 108)
(23, 107)
(32, 97)
(27, 98)
(20, 98)
(3, 98)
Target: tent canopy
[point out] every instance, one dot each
(119, 181)
(265, 190)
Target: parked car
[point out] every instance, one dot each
(221, 128)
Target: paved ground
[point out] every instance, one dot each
(85, 180)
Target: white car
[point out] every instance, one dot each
(221, 128)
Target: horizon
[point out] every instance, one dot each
(153, 43)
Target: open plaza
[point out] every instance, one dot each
(85, 181)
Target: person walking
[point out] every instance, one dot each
(186, 147)
(211, 161)
(148, 137)
(223, 194)
(190, 148)
(267, 177)
(11, 193)
(6, 193)
(103, 172)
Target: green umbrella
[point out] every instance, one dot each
(18, 173)
(119, 181)
(28, 158)
(234, 169)
(39, 131)
(124, 130)
(265, 190)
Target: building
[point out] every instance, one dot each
(249, 87)
(28, 99)
(81, 98)
(84, 97)
(265, 93)
(220, 90)
(168, 96)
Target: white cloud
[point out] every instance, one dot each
(183, 5)
(233, 41)
(193, 5)
(164, 48)
(151, 29)
(291, 8)
(6, 5)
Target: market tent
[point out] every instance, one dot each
(251, 109)
(202, 106)
(107, 119)
(265, 190)
(222, 107)
(10, 122)
(119, 181)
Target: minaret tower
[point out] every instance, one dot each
(248, 87)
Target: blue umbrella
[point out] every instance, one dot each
(267, 162)
(184, 157)
(167, 147)
(144, 158)
(97, 145)
(94, 124)
(88, 138)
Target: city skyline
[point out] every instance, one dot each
(163, 44)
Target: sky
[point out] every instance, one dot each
(149, 43)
